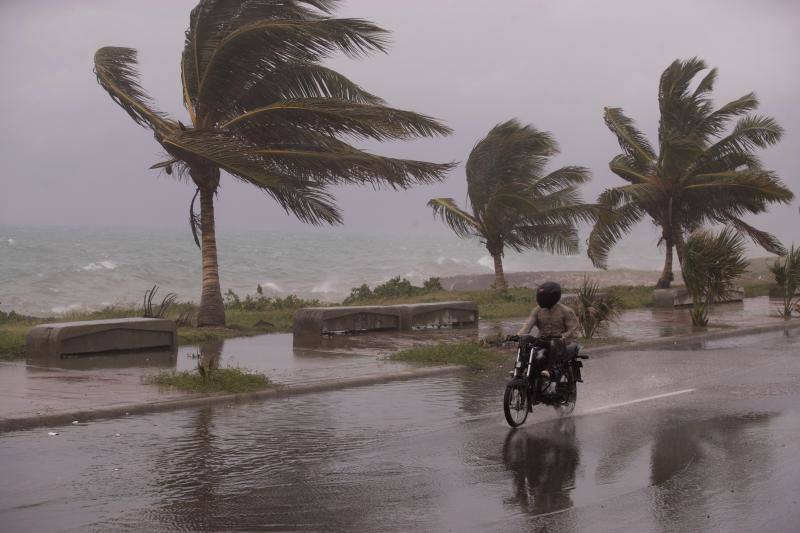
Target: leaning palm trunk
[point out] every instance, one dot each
(212, 309)
(499, 276)
(266, 110)
(667, 276)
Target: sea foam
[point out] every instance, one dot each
(100, 265)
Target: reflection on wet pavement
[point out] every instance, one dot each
(435, 455)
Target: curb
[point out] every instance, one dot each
(699, 338)
(123, 410)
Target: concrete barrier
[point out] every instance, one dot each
(680, 297)
(311, 323)
(95, 336)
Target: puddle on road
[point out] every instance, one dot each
(430, 454)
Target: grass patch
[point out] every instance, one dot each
(220, 380)
(469, 354)
(12, 340)
(631, 297)
(756, 288)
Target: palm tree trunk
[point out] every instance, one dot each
(666, 275)
(212, 310)
(499, 277)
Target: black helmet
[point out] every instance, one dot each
(548, 294)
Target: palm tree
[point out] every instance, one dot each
(263, 109)
(514, 204)
(704, 171)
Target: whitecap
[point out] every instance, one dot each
(12, 242)
(271, 286)
(61, 309)
(100, 265)
(325, 286)
(486, 261)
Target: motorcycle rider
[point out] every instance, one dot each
(551, 318)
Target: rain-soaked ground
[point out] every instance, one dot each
(669, 440)
(46, 386)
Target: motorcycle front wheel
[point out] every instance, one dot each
(515, 403)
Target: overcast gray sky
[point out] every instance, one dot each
(70, 156)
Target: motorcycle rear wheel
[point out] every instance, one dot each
(567, 407)
(515, 403)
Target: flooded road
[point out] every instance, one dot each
(673, 440)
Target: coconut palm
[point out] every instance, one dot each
(264, 110)
(711, 265)
(704, 171)
(513, 203)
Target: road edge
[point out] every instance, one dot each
(123, 410)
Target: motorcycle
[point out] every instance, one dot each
(558, 387)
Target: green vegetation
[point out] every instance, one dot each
(594, 309)
(264, 109)
(711, 266)
(220, 380)
(787, 276)
(703, 173)
(470, 354)
(513, 203)
(394, 288)
(255, 315)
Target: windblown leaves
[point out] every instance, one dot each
(115, 68)
(705, 172)
(265, 110)
(514, 203)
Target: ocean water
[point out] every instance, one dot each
(47, 271)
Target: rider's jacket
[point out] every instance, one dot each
(558, 320)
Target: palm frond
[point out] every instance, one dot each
(349, 165)
(264, 84)
(766, 240)
(336, 117)
(115, 68)
(612, 224)
(273, 42)
(631, 140)
(462, 223)
(625, 167)
(308, 201)
(214, 20)
(562, 177)
(715, 122)
(559, 239)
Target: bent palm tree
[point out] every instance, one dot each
(703, 172)
(513, 203)
(265, 111)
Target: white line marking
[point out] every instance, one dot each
(656, 397)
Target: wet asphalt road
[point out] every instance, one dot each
(700, 439)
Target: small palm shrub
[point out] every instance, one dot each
(711, 265)
(149, 311)
(594, 308)
(787, 276)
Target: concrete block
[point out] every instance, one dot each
(311, 323)
(679, 297)
(95, 336)
(439, 314)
